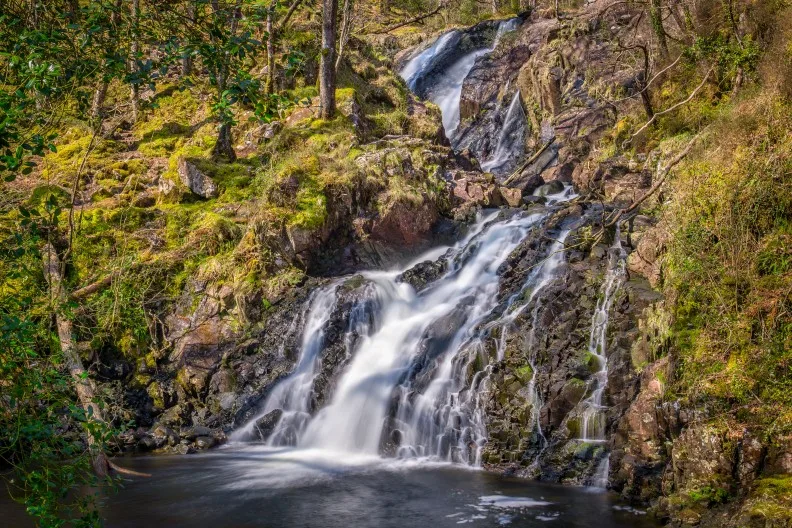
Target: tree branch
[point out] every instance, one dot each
(674, 107)
(436, 10)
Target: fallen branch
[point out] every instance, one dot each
(530, 160)
(126, 471)
(94, 287)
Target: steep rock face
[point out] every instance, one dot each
(534, 425)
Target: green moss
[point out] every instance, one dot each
(770, 500)
(709, 495)
(524, 373)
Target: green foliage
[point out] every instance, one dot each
(729, 267)
(40, 424)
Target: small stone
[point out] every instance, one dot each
(204, 442)
(195, 180)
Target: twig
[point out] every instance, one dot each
(674, 107)
(436, 10)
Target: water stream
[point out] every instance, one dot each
(593, 411)
(511, 138)
(446, 90)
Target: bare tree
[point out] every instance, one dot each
(327, 73)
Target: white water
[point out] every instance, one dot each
(292, 395)
(435, 421)
(511, 136)
(410, 373)
(417, 66)
(447, 92)
(593, 412)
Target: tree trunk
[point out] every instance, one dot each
(643, 85)
(270, 86)
(83, 385)
(224, 147)
(98, 100)
(346, 29)
(134, 51)
(187, 61)
(327, 80)
(656, 17)
(101, 91)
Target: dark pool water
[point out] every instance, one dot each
(257, 487)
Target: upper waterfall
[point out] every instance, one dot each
(446, 89)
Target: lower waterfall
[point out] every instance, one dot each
(411, 380)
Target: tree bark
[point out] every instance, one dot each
(97, 103)
(187, 61)
(656, 18)
(100, 94)
(224, 147)
(346, 29)
(327, 77)
(270, 86)
(83, 385)
(134, 51)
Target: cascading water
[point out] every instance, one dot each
(447, 90)
(292, 395)
(511, 138)
(408, 381)
(592, 413)
(438, 421)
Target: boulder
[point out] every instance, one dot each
(512, 196)
(552, 187)
(266, 424)
(195, 180)
(205, 442)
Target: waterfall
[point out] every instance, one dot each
(446, 92)
(511, 138)
(418, 65)
(409, 380)
(593, 412)
(436, 419)
(292, 395)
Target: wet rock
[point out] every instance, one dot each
(266, 424)
(192, 433)
(405, 223)
(205, 442)
(195, 180)
(552, 187)
(423, 273)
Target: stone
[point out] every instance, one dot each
(195, 180)
(205, 442)
(266, 424)
(194, 432)
(552, 187)
(512, 197)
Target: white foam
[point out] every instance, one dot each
(507, 502)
